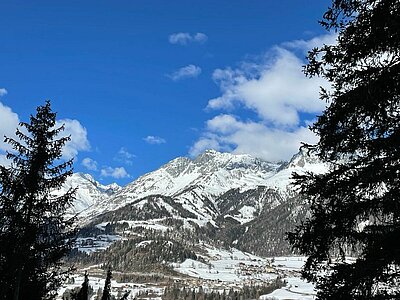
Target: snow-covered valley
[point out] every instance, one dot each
(223, 271)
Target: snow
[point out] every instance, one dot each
(235, 266)
(195, 184)
(88, 194)
(226, 268)
(246, 214)
(208, 176)
(296, 289)
(192, 183)
(232, 266)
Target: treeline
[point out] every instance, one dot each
(147, 254)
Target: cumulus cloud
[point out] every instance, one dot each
(89, 164)
(3, 92)
(275, 89)
(116, 173)
(151, 139)
(189, 71)
(207, 141)
(9, 123)
(184, 38)
(227, 133)
(124, 156)
(79, 140)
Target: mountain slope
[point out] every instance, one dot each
(89, 191)
(194, 183)
(220, 199)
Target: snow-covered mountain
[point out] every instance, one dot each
(196, 184)
(222, 199)
(89, 191)
(212, 171)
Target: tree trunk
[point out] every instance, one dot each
(17, 284)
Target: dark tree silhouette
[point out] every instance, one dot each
(107, 286)
(34, 234)
(355, 206)
(83, 293)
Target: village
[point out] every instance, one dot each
(223, 274)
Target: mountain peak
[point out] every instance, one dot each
(196, 183)
(209, 155)
(303, 158)
(89, 191)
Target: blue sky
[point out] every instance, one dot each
(139, 83)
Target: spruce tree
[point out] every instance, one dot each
(107, 286)
(83, 293)
(355, 206)
(34, 234)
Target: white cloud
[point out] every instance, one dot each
(89, 164)
(189, 71)
(10, 121)
(151, 139)
(274, 87)
(277, 91)
(318, 41)
(9, 124)
(116, 173)
(125, 156)
(208, 141)
(227, 133)
(3, 92)
(200, 37)
(183, 38)
(79, 140)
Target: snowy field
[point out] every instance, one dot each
(232, 266)
(296, 289)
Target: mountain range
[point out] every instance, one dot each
(221, 199)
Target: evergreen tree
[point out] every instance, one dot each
(34, 234)
(355, 206)
(107, 286)
(84, 291)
